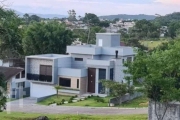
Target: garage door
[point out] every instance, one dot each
(39, 90)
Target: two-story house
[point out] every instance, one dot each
(80, 71)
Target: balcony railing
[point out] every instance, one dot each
(36, 77)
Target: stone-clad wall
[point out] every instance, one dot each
(34, 65)
(172, 112)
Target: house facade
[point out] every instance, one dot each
(80, 71)
(17, 86)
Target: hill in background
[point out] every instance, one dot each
(125, 17)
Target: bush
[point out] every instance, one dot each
(92, 95)
(89, 96)
(62, 101)
(75, 96)
(70, 101)
(59, 103)
(72, 98)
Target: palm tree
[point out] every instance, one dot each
(57, 87)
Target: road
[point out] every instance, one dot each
(29, 106)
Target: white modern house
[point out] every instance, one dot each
(80, 71)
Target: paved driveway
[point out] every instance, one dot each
(28, 106)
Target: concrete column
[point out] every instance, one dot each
(97, 81)
(107, 73)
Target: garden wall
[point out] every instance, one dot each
(172, 112)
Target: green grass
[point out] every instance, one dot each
(28, 116)
(152, 44)
(54, 99)
(136, 103)
(90, 102)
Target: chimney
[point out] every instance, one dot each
(116, 54)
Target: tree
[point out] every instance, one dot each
(115, 89)
(11, 39)
(173, 27)
(57, 88)
(3, 88)
(159, 71)
(26, 18)
(35, 18)
(72, 15)
(91, 19)
(42, 38)
(104, 24)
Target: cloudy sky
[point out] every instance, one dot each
(99, 7)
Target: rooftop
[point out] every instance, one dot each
(49, 56)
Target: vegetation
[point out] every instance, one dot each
(57, 88)
(54, 99)
(159, 72)
(30, 116)
(42, 38)
(3, 88)
(93, 101)
(136, 103)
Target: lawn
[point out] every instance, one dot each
(28, 116)
(54, 99)
(91, 102)
(152, 44)
(136, 103)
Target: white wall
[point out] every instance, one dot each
(40, 90)
(1, 62)
(80, 64)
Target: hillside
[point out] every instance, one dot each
(50, 16)
(124, 16)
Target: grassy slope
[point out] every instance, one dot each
(136, 103)
(54, 99)
(24, 116)
(152, 44)
(90, 102)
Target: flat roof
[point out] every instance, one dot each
(49, 56)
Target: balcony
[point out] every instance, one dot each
(41, 78)
(99, 63)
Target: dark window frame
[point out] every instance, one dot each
(77, 83)
(78, 59)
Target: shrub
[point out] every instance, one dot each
(70, 101)
(75, 96)
(72, 98)
(59, 103)
(62, 101)
(89, 96)
(92, 96)
(97, 96)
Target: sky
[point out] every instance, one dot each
(99, 7)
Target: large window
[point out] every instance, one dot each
(46, 70)
(23, 74)
(111, 74)
(78, 59)
(102, 76)
(18, 76)
(65, 82)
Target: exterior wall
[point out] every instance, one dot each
(118, 70)
(64, 62)
(55, 71)
(107, 57)
(9, 87)
(80, 64)
(72, 72)
(41, 90)
(82, 81)
(108, 40)
(33, 65)
(83, 85)
(172, 112)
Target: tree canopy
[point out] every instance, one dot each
(42, 38)
(3, 88)
(91, 19)
(159, 73)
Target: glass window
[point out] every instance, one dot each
(65, 82)
(77, 83)
(111, 74)
(18, 76)
(78, 59)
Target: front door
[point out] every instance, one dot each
(91, 80)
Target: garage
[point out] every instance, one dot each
(41, 90)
